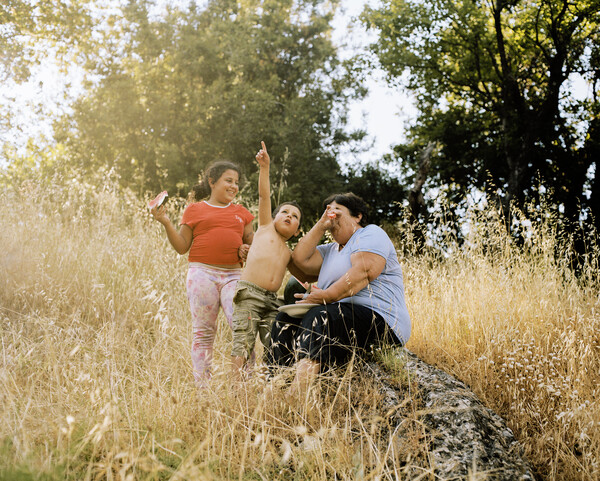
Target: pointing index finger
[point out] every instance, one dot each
(264, 147)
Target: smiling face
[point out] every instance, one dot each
(225, 188)
(287, 220)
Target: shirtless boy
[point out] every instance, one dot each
(255, 300)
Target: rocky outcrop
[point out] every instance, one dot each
(468, 440)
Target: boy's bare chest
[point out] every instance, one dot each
(268, 238)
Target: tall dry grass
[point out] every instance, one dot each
(522, 329)
(96, 378)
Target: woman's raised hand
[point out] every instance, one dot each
(328, 219)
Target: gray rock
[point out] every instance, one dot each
(468, 440)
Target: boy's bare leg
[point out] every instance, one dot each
(306, 372)
(237, 365)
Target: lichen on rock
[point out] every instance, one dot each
(467, 440)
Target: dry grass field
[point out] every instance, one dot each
(95, 377)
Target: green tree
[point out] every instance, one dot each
(176, 91)
(30, 32)
(492, 81)
(383, 192)
(27, 25)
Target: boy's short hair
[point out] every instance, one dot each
(291, 202)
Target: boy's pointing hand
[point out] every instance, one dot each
(262, 157)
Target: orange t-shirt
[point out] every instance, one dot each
(216, 232)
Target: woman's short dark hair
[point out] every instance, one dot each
(214, 173)
(353, 203)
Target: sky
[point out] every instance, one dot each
(382, 113)
(385, 111)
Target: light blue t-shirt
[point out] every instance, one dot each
(385, 295)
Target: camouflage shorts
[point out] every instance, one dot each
(254, 310)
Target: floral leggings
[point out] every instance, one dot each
(208, 288)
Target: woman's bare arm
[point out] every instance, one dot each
(305, 255)
(300, 274)
(366, 266)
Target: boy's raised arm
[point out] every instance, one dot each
(264, 186)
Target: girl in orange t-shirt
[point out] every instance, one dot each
(217, 234)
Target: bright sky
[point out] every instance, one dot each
(385, 111)
(382, 114)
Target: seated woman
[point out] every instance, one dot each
(360, 292)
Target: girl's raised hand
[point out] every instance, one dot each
(262, 157)
(160, 214)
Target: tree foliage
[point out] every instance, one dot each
(26, 25)
(31, 32)
(382, 191)
(176, 91)
(493, 82)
